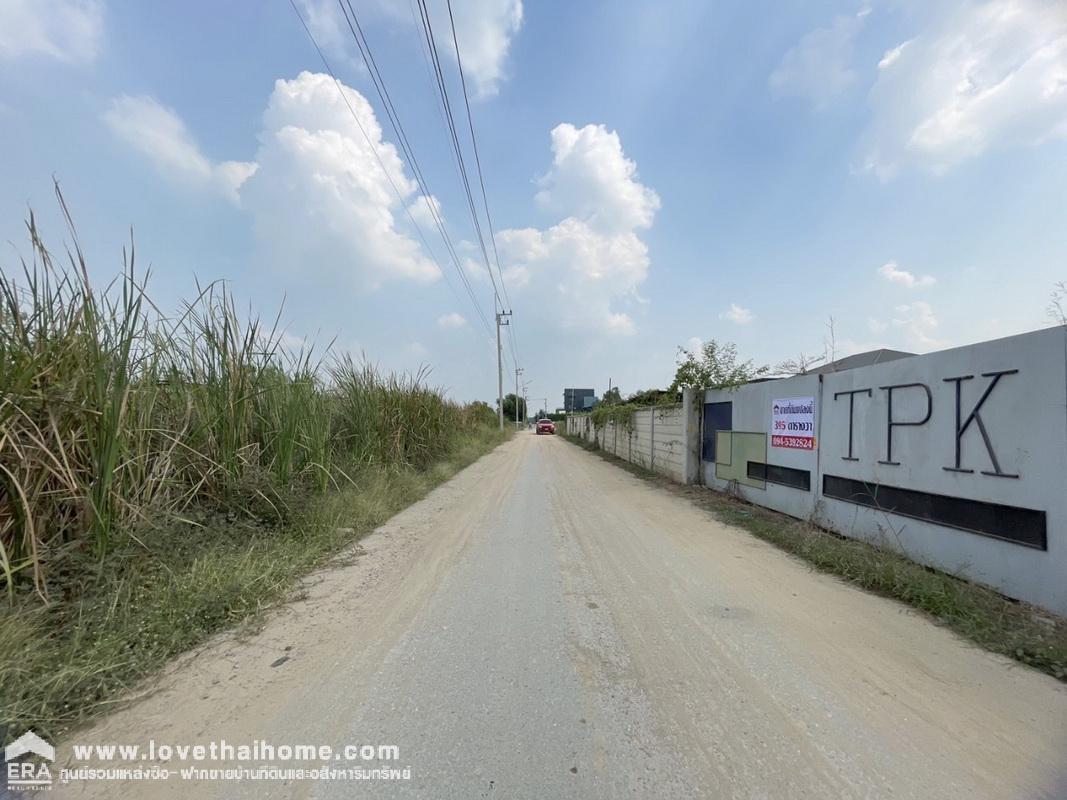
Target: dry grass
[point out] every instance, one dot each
(162, 478)
(114, 417)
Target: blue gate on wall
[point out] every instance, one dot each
(717, 417)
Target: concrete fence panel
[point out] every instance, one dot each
(956, 458)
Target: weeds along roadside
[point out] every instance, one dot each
(165, 477)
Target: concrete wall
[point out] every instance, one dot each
(751, 414)
(657, 438)
(1022, 423)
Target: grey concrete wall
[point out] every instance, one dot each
(751, 414)
(1024, 416)
(656, 439)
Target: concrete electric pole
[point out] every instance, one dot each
(500, 366)
(518, 372)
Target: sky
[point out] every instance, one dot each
(658, 173)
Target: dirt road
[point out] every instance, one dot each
(546, 625)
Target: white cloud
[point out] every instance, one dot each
(159, 133)
(587, 267)
(876, 325)
(918, 322)
(452, 320)
(892, 273)
(485, 29)
(892, 55)
(320, 200)
(67, 30)
(578, 271)
(737, 314)
(592, 179)
(327, 24)
(291, 343)
(982, 75)
(423, 209)
(819, 67)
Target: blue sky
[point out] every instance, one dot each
(658, 173)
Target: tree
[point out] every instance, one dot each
(509, 407)
(651, 397)
(713, 366)
(800, 365)
(1056, 311)
(612, 396)
(481, 412)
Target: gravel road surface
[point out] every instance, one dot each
(546, 625)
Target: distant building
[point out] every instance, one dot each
(578, 399)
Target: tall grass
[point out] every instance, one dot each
(116, 418)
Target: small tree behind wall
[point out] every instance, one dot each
(713, 366)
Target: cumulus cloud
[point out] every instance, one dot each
(589, 265)
(894, 274)
(327, 24)
(158, 133)
(981, 75)
(67, 30)
(452, 320)
(320, 200)
(739, 315)
(593, 180)
(425, 211)
(485, 29)
(582, 270)
(919, 324)
(819, 67)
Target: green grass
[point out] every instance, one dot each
(163, 477)
(64, 662)
(978, 614)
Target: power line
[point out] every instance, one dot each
(481, 177)
(474, 145)
(398, 128)
(389, 177)
(443, 92)
(352, 20)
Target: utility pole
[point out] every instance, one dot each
(518, 372)
(500, 366)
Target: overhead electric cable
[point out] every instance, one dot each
(477, 156)
(392, 183)
(442, 89)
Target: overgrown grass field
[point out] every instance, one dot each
(166, 477)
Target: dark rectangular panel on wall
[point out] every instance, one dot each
(717, 417)
(784, 476)
(1025, 526)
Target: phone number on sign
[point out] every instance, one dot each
(795, 442)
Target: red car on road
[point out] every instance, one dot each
(545, 426)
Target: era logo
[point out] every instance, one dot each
(26, 774)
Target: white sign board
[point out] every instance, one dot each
(793, 423)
